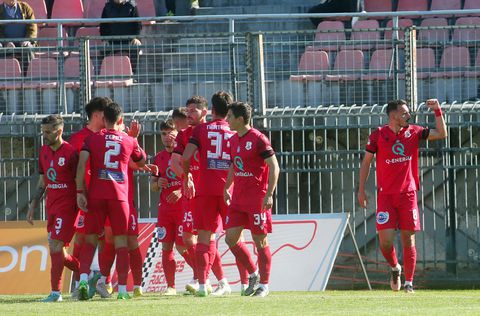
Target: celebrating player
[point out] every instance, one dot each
(254, 175)
(396, 147)
(109, 152)
(57, 167)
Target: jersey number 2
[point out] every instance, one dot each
(113, 151)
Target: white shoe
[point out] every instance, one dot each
(170, 291)
(395, 282)
(208, 286)
(192, 287)
(223, 288)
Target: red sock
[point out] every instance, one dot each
(136, 263)
(86, 257)
(106, 258)
(72, 263)
(264, 264)
(202, 259)
(191, 253)
(56, 270)
(122, 265)
(217, 268)
(242, 271)
(390, 256)
(241, 253)
(77, 249)
(409, 261)
(188, 259)
(169, 266)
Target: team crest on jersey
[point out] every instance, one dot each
(407, 134)
(382, 217)
(161, 232)
(248, 145)
(81, 221)
(61, 161)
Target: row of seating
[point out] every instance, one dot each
(455, 61)
(366, 33)
(74, 9)
(419, 5)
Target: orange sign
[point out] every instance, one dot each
(24, 258)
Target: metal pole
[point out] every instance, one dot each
(358, 254)
(451, 251)
(232, 51)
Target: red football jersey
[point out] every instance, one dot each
(181, 142)
(59, 169)
(213, 142)
(110, 152)
(76, 140)
(397, 157)
(163, 161)
(248, 155)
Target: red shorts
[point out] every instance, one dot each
(169, 226)
(210, 213)
(116, 211)
(187, 220)
(257, 220)
(61, 224)
(80, 222)
(398, 211)
(133, 221)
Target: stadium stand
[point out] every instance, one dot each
(446, 5)
(412, 5)
(93, 9)
(468, 34)
(329, 35)
(388, 36)
(71, 9)
(47, 38)
(71, 72)
(364, 35)
(378, 6)
(314, 64)
(39, 8)
(41, 79)
(433, 36)
(10, 85)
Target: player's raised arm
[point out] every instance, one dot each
(440, 132)
(80, 180)
(273, 173)
(35, 200)
(364, 173)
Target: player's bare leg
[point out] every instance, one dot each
(386, 237)
(136, 262)
(264, 263)
(57, 258)
(409, 258)
(169, 267)
(240, 251)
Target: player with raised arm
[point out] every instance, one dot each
(211, 140)
(396, 147)
(254, 175)
(57, 166)
(109, 153)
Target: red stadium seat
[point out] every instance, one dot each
(47, 37)
(42, 73)
(71, 70)
(146, 8)
(412, 5)
(10, 84)
(475, 70)
(425, 62)
(365, 34)
(378, 6)
(437, 36)
(347, 64)
(67, 9)
(312, 61)
(116, 72)
(446, 5)
(93, 9)
(467, 36)
(39, 8)
(329, 36)
(471, 4)
(402, 24)
(381, 65)
(95, 43)
(454, 62)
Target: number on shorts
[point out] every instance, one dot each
(58, 224)
(113, 151)
(180, 230)
(259, 219)
(187, 217)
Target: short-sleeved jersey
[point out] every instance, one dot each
(397, 157)
(250, 171)
(110, 152)
(213, 142)
(164, 160)
(59, 169)
(181, 142)
(76, 140)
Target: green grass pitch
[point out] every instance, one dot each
(422, 302)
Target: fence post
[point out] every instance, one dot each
(450, 233)
(61, 94)
(256, 94)
(411, 93)
(85, 93)
(232, 51)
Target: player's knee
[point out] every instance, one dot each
(132, 243)
(55, 245)
(261, 241)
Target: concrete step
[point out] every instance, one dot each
(238, 3)
(258, 9)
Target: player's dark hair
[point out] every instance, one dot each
(167, 125)
(179, 113)
(241, 109)
(112, 112)
(97, 104)
(55, 120)
(200, 102)
(394, 104)
(220, 102)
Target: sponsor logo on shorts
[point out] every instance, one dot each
(382, 217)
(161, 232)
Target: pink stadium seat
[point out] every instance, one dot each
(94, 9)
(146, 8)
(71, 71)
(42, 73)
(381, 65)
(430, 37)
(454, 58)
(378, 6)
(90, 32)
(446, 5)
(67, 9)
(412, 5)
(115, 66)
(467, 36)
(402, 24)
(425, 62)
(365, 34)
(312, 61)
(346, 65)
(329, 35)
(47, 37)
(39, 8)
(10, 71)
(471, 4)
(475, 70)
